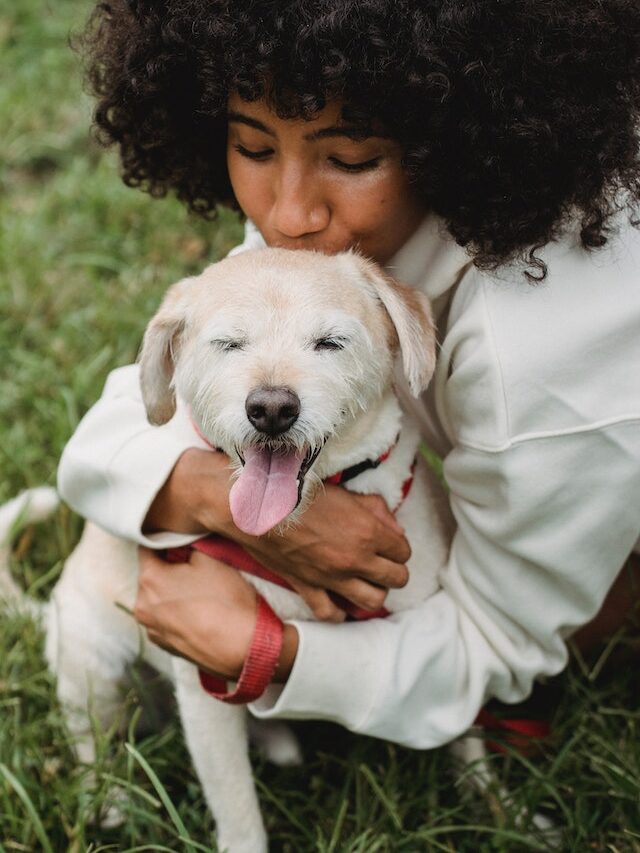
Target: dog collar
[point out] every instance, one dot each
(354, 470)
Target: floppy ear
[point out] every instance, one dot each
(410, 313)
(160, 346)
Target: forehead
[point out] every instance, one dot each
(275, 283)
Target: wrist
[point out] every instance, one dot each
(194, 498)
(207, 479)
(290, 642)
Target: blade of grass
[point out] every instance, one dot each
(264, 789)
(337, 827)
(33, 814)
(381, 795)
(166, 799)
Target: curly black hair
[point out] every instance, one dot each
(516, 117)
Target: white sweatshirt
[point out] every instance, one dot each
(535, 408)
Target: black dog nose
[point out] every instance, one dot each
(272, 410)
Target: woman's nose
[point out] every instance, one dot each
(299, 208)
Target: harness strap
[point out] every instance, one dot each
(353, 470)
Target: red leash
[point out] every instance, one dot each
(518, 733)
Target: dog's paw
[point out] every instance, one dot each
(276, 742)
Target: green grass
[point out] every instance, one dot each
(83, 263)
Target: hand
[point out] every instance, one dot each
(203, 611)
(350, 544)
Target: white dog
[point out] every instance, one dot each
(284, 361)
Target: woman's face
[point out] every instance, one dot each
(314, 185)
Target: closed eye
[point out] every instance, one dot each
(263, 154)
(364, 166)
(329, 343)
(227, 344)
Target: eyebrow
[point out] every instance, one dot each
(354, 132)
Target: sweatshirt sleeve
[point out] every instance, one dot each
(116, 462)
(543, 530)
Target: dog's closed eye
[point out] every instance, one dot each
(332, 342)
(227, 344)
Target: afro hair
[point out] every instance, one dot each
(517, 118)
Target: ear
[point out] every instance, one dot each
(160, 347)
(410, 314)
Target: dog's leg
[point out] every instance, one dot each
(216, 735)
(275, 741)
(88, 669)
(471, 753)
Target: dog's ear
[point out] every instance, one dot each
(160, 347)
(410, 314)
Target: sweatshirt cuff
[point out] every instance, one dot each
(336, 676)
(150, 456)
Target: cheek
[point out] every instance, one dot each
(372, 204)
(250, 186)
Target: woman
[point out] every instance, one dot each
(472, 149)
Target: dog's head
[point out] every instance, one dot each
(274, 352)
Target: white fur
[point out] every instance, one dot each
(27, 508)
(273, 305)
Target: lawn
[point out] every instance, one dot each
(83, 264)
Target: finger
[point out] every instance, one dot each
(392, 547)
(388, 573)
(389, 539)
(147, 558)
(159, 640)
(378, 572)
(319, 602)
(378, 507)
(368, 596)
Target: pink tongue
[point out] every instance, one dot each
(266, 490)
